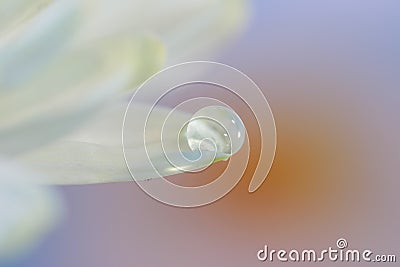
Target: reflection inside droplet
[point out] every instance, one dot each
(216, 128)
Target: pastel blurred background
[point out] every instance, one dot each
(331, 73)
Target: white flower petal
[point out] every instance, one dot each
(13, 13)
(45, 37)
(189, 29)
(94, 154)
(70, 89)
(64, 84)
(28, 211)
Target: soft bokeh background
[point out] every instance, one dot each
(330, 70)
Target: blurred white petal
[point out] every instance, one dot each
(71, 88)
(72, 56)
(94, 154)
(14, 13)
(190, 30)
(27, 211)
(43, 38)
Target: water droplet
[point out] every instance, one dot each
(216, 128)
